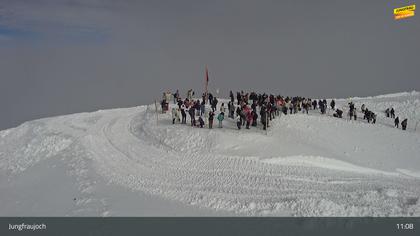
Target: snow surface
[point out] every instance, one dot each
(121, 162)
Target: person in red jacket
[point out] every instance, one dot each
(249, 118)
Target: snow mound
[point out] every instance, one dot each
(307, 165)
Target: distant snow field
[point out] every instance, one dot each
(122, 162)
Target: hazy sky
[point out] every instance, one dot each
(62, 56)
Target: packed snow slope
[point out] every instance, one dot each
(307, 165)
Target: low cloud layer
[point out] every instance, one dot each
(60, 57)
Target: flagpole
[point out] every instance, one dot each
(206, 84)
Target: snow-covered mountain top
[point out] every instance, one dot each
(391, 95)
(125, 162)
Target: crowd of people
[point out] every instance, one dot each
(250, 109)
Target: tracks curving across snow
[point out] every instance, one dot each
(132, 151)
(302, 168)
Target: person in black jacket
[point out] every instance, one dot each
(352, 110)
(254, 118)
(183, 114)
(332, 104)
(314, 103)
(392, 112)
(338, 113)
(263, 114)
(404, 124)
(238, 98)
(322, 107)
(397, 122)
(211, 118)
(201, 122)
(214, 104)
(210, 96)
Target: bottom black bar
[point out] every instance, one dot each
(216, 226)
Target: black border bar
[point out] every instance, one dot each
(213, 226)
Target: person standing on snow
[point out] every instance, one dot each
(397, 122)
(254, 106)
(210, 99)
(392, 112)
(243, 116)
(365, 113)
(238, 121)
(238, 98)
(211, 117)
(179, 103)
(305, 105)
(295, 107)
(314, 103)
(368, 115)
(254, 118)
(175, 115)
(351, 110)
(203, 97)
(168, 96)
(201, 122)
(290, 106)
(332, 104)
(322, 107)
(220, 118)
(165, 105)
(197, 107)
(191, 111)
(176, 96)
(284, 109)
(249, 118)
(190, 94)
(404, 124)
(222, 108)
(183, 114)
(238, 112)
(214, 104)
(263, 115)
(232, 110)
(202, 107)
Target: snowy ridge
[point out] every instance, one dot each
(307, 165)
(391, 95)
(406, 104)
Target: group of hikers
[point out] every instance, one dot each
(352, 114)
(248, 107)
(390, 113)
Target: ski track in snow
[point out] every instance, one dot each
(292, 171)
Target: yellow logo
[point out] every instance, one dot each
(404, 12)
